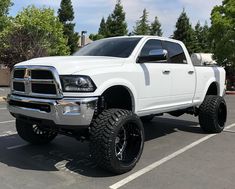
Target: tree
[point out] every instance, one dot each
(66, 16)
(155, 28)
(33, 33)
(142, 25)
(206, 43)
(66, 12)
(116, 22)
(198, 34)
(109, 24)
(222, 32)
(4, 8)
(203, 43)
(103, 29)
(185, 33)
(95, 37)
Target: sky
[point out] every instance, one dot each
(88, 13)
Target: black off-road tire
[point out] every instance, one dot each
(105, 135)
(33, 134)
(213, 114)
(147, 119)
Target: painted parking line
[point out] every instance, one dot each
(10, 121)
(229, 127)
(162, 161)
(17, 146)
(229, 131)
(8, 133)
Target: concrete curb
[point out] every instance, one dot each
(230, 92)
(2, 98)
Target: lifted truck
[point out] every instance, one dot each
(107, 89)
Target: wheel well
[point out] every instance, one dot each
(213, 89)
(117, 97)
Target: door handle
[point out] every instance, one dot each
(166, 71)
(190, 72)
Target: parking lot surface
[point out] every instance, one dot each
(177, 154)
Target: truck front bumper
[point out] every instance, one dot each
(66, 111)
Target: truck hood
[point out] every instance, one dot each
(67, 65)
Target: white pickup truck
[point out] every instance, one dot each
(107, 89)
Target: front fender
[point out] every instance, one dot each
(119, 82)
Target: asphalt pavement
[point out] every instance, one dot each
(177, 154)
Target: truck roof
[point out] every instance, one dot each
(149, 37)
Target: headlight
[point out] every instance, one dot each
(73, 83)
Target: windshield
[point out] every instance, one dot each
(114, 47)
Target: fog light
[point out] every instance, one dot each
(71, 109)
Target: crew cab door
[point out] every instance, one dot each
(154, 85)
(182, 73)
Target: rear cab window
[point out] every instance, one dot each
(176, 53)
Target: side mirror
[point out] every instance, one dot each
(156, 55)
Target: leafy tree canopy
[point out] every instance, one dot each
(155, 28)
(66, 16)
(4, 8)
(66, 12)
(33, 33)
(103, 28)
(95, 37)
(203, 43)
(184, 32)
(222, 32)
(116, 23)
(142, 25)
(109, 25)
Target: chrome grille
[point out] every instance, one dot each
(36, 81)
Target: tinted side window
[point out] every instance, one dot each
(175, 53)
(150, 46)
